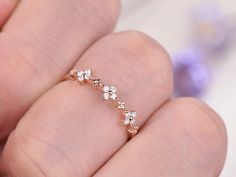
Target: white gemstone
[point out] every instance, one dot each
(96, 82)
(130, 118)
(121, 105)
(106, 88)
(106, 96)
(80, 76)
(87, 74)
(126, 121)
(109, 92)
(113, 96)
(84, 75)
(133, 129)
(133, 114)
(113, 89)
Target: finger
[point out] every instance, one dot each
(1, 147)
(38, 45)
(78, 129)
(6, 8)
(184, 138)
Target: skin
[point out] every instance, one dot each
(62, 129)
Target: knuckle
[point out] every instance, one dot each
(113, 8)
(194, 128)
(145, 53)
(204, 127)
(146, 50)
(103, 10)
(207, 115)
(15, 151)
(31, 152)
(142, 43)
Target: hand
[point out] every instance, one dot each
(64, 129)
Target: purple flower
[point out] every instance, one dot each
(190, 74)
(212, 32)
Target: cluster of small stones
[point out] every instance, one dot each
(109, 93)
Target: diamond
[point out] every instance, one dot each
(133, 130)
(106, 96)
(84, 75)
(97, 82)
(121, 105)
(130, 118)
(87, 74)
(113, 96)
(109, 92)
(106, 88)
(113, 89)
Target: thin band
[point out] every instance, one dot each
(109, 93)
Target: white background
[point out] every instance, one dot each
(167, 21)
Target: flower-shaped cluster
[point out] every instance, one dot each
(133, 130)
(121, 105)
(84, 75)
(109, 92)
(97, 82)
(130, 118)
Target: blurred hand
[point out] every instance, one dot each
(60, 129)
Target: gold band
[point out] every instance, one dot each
(109, 93)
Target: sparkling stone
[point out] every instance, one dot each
(133, 130)
(113, 89)
(130, 118)
(109, 92)
(113, 96)
(84, 75)
(80, 76)
(106, 96)
(106, 88)
(121, 105)
(87, 74)
(96, 82)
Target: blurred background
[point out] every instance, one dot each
(200, 37)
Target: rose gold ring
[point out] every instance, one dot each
(109, 93)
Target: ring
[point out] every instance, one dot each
(128, 118)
